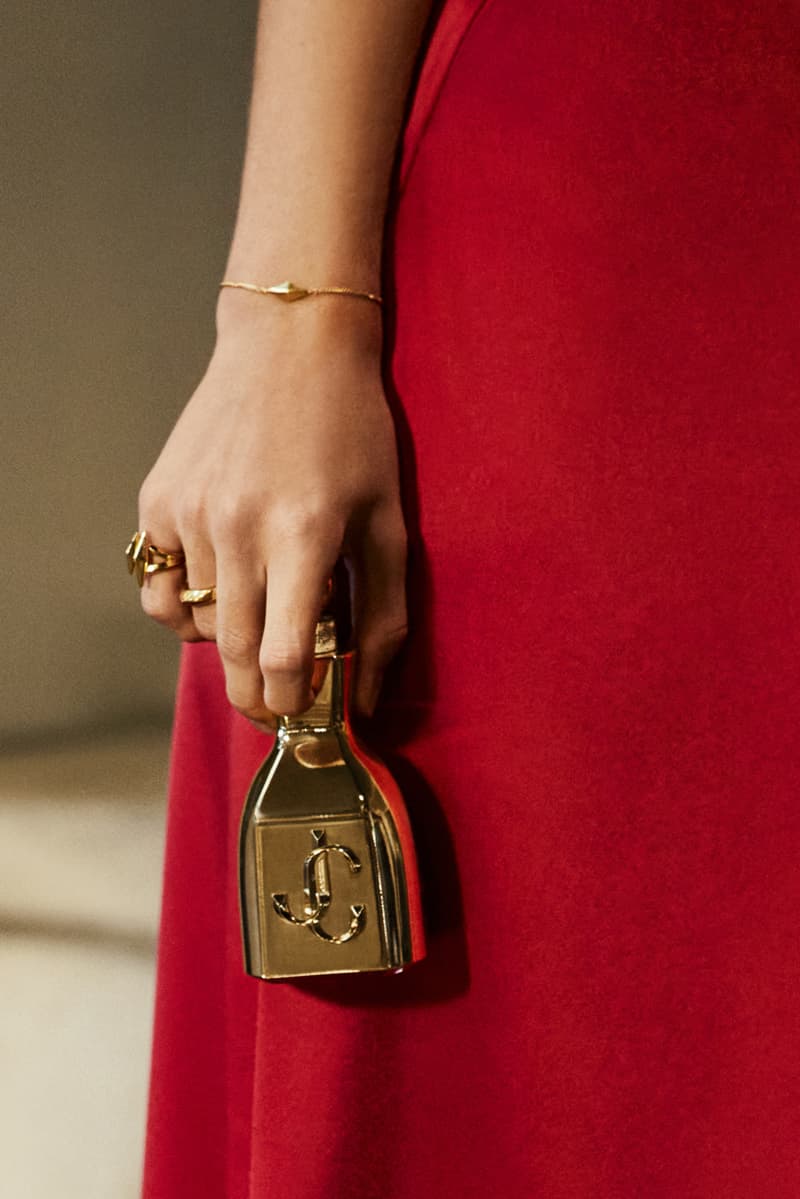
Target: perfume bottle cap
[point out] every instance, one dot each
(334, 631)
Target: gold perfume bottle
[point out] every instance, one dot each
(328, 879)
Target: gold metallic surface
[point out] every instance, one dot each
(145, 559)
(317, 889)
(328, 879)
(325, 637)
(289, 291)
(133, 553)
(199, 596)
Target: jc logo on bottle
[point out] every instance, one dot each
(317, 890)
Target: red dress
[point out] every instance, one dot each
(594, 265)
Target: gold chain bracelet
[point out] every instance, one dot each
(291, 291)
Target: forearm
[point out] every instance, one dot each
(285, 457)
(331, 79)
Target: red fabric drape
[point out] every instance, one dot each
(592, 354)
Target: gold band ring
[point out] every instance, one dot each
(199, 596)
(146, 559)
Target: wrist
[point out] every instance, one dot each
(318, 253)
(247, 315)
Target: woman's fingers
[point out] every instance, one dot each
(201, 572)
(239, 629)
(160, 601)
(265, 629)
(263, 519)
(159, 593)
(380, 614)
(296, 577)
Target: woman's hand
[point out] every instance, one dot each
(284, 458)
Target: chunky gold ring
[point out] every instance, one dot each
(198, 596)
(146, 559)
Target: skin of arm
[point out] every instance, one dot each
(285, 455)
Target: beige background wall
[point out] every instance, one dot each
(121, 134)
(121, 137)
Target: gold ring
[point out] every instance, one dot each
(198, 596)
(146, 559)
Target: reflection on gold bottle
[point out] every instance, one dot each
(328, 878)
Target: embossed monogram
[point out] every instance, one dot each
(317, 890)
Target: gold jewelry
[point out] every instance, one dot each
(291, 291)
(199, 596)
(146, 559)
